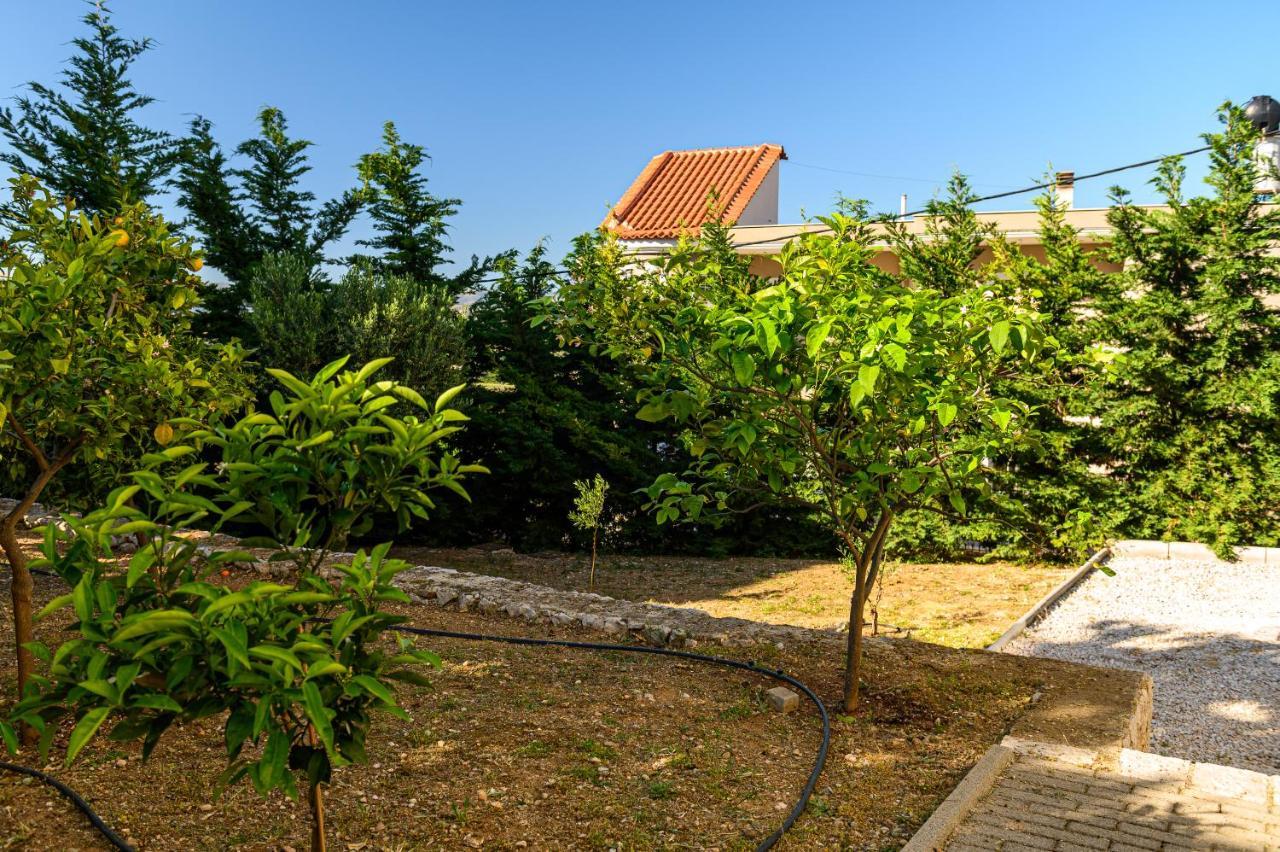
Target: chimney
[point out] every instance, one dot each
(1264, 112)
(902, 207)
(1064, 187)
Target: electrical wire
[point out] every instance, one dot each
(978, 200)
(777, 674)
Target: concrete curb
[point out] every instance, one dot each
(1152, 549)
(1037, 612)
(935, 833)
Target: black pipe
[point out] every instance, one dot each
(116, 840)
(778, 674)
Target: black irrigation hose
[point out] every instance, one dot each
(116, 840)
(776, 674)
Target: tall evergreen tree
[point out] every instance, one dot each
(81, 140)
(244, 214)
(1193, 425)
(410, 223)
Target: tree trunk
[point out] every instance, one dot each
(591, 579)
(21, 589)
(867, 566)
(316, 799)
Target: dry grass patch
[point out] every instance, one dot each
(545, 748)
(963, 605)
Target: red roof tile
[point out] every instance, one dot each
(670, 196)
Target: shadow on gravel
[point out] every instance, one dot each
(1217, 694)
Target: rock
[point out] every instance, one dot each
(782, 699)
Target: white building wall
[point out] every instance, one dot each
(763, 207)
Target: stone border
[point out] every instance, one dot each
(1038, 611)
(975, 785)
(1151, 549)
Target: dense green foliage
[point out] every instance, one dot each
(82, 140)
(856, 393)
(1191, 426)
(298, 668)
(302, 322)
(97, 355)
(244, 214)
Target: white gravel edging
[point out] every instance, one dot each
(1208, 633)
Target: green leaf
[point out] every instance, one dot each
(867, 376)
(957, 502)
(946, 413)
(375, 688)
(744, 367)
(317, 714)
(895, 356)
(816, 336)
(84, 731)
(999, 336)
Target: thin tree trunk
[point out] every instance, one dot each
(316, 799)
(591, 579)
(867, 566)
(21, 588)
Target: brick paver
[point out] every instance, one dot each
(1139, 803)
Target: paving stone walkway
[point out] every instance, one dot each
(1054, 798)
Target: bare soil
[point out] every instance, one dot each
(963, 605)
(544, 748)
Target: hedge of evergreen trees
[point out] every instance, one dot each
(1157, 417)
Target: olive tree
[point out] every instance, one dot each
(296, 669)
(94, 319)
(837, 386)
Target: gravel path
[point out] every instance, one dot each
(1208, 633)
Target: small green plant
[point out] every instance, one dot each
(661, 790)
(588, 506)
(298, 669)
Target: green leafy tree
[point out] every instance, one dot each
(244, 214)
(295, 669)
(837, 386)
(94, 338)
(588, 507)
(544, 417)
(410, 223)
(1191, 422)
(303, 322)
(82, 140)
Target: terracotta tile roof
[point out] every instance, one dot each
(670, 196)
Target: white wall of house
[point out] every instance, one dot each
(762, 209)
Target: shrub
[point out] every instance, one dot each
(96, 353)
(298, 668)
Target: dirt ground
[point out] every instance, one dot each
(533, 748)
(963, 605)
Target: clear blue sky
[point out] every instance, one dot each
(538, 115)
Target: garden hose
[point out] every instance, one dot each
(776, 674)
(114, 839)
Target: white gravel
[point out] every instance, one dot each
(1208, 633)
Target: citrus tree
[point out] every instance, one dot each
(837, 386)
(94, 342)
(295, 669)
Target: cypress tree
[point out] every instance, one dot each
(81, 140)
(410, 223)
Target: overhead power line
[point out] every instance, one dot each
(978, 200)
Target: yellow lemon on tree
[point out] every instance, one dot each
(163, 434)
(122, 238)
(197, 264)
